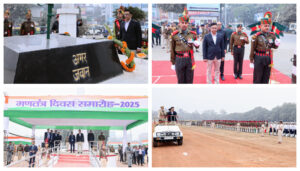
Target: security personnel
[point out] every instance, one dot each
(261, 53)
(119, 21)
(7, 25)
(182, 54)
(28, 27)
(204, 31)
(237, 46)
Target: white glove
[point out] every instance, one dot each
(173, 67)
(277, 42)
(196, 44)
(251, 65)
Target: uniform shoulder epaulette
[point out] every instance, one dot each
(193, 32)
(272, 32)
(258, 33)
(175, 32)
(245, 33)
(255, 35)
(234, 32)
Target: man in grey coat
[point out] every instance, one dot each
(129, 155)
(9, 150)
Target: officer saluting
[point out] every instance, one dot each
(261, 53)
(182, 54)
(237, 46)
(28, 27)
(7, 25)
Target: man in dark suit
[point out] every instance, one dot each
(32, 152)
(222, 34)
(172, 115)
(55, 139)
(51, 140)
(79, 140)
(59, 138)
(213, 52)
(47, 136)
(131, 32)
(91, 138)
(72, 142)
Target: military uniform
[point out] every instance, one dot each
(262, 54)
(118, 23)
(28, 27)
(7, 28)
(182, 55)
(204, 32)
(7, 25)
(237, 46)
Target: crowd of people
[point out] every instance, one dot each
(181, 39)
(279, 129)
(21, 151)
(137, 155)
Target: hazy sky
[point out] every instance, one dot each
(216, 98)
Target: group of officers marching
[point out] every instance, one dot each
(215, 41)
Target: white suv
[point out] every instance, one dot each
(167, 133)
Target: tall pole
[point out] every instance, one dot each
(50, 7)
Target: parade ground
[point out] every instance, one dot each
(281, 72)
(207, 147)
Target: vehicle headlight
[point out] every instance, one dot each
(177, 133)
(173, 133)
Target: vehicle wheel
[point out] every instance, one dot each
(180, 142)
(155, 143)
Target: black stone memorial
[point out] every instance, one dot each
(62, 59)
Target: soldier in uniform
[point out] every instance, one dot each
(204, 31)
(119, 21)
(261, 52)
(7, 25)
(28, 27)
(182, 54)
(237, 46)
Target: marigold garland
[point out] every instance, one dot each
(127, 68)
(130, 59)
(122, 45)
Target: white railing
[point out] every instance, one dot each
(93, 158)
(40, 158)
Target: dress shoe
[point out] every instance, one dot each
(222, 77)
(240, 77)
(235, 76)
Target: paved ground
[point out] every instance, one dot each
(138, 76)
(206, 147)
(281, 58)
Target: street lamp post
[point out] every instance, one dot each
(50, 7)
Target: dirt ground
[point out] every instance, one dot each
(207, 147)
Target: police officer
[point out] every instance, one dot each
(28, 27)
(261, 52)
(182, 54)
(237, 46)
(7, 25)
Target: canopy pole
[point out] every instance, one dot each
(124, 139)
(6, 128)
(33, 132)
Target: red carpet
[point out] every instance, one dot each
(162, 74)
(66, 160)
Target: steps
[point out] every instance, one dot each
(73, 160)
